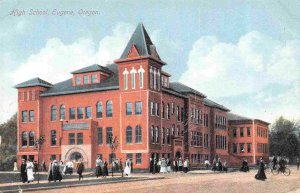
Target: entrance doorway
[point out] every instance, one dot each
(178, 154)
(75, 156)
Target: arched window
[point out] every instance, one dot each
(138, 134)
(31, 138)
(173, 130)
(152, 134)
(99, 109)
(163, 136)
(168, 136)
(141, 76)
(24, 138)
(158, 80)
(163, 110)
(128, 134)
(53, 113)
(168, 111)
(109, 109)
(154, 78)
(62, 112)
(156, 135)
(151, 77)
(177, 113)
(125, 73)
(133, 72)
(178, 131)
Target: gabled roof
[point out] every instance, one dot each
(142, 42)
(235, 117)
(211, 103)
(34, 82)
(93, 68)
(65, 87)
(181, 88)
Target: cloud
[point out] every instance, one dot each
(255, 65)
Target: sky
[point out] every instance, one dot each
(242, 54)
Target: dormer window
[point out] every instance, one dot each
(94, 78)
(78, 80)
(85, 79)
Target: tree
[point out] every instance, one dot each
(284, 138)
(8, 148)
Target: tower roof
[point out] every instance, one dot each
(34, 82)
(142, 42)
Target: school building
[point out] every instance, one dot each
(130, 109)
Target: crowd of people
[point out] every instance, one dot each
(166, 165)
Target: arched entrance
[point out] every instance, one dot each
(75, 156)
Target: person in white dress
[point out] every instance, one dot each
(127, 170)
(29, 169)
(163, 166)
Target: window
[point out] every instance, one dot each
(141, 79)
(133, 79)
(138, 134)
(163, 110)
(31, 138)
(151, 77)
(71, 138)
(178, 131)
(152, 134)
(53, 157)
(100, 136)
(109, 135)
(173, 130)
(85, 79)
(99, 109)
(128, 135)
(157, 109)
(72, 113)
(156, 135)
(249, 147)
(78, 80)
(79, 138)
(129, 156)
(94, 78)
(79, 113)
(177, 113)
(62, 112)
(234, 132)
(88, 112)
(248, 132)
(138, 157)
(158, 80)
(31, 116)
(24, 116)
(163, 135)
(24, 138)
(151, 108)
(234, 148)
(154, 78)
(168, 111)
(168, 136)
(125, 73)
(53, 113)
(172, 106)
(128, 108)
(53, 138)
(241, 132)
(109, 110)
(182, 114)
(242, 148)
(138, 108)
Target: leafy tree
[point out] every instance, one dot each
(8, 148)
(284, 138)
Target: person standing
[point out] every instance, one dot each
(168, 165)
(121, 166)
(158, 165)
(23, 171)
(43, 166)
(50, 172)
(175, 165)
(186, 165)
(274, 162)
(36, 166)
(69, 167)
(206, 163)
(127, 170)
(219, 165)
(29, 169)
(80, 169)
(154, 166)
(225, 166)
(163, 166)
(298, 163)
(261, 171)
(105, 169)
(56, 172)
(180, 164)
(151, 166)
(98, 167)
(214, 165)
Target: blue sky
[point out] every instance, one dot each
(242, 54)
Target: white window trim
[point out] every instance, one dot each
(141, 72)
(133, 72)
(125, 73)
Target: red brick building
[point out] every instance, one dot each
(131, 101)
(249, 139)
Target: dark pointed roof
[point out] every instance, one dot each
(93, 68)
(34, 82)
(211, 103)
(142, 41)
(181, 88)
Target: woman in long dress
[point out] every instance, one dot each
(50, 172)
(261, 171)
(169, 165)
(163, 166)
(105, 169)
(29, 169)
(127, 170)
(56, 172)
(80, 169)
(69, 167)
(98, 167)
(23, 171)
